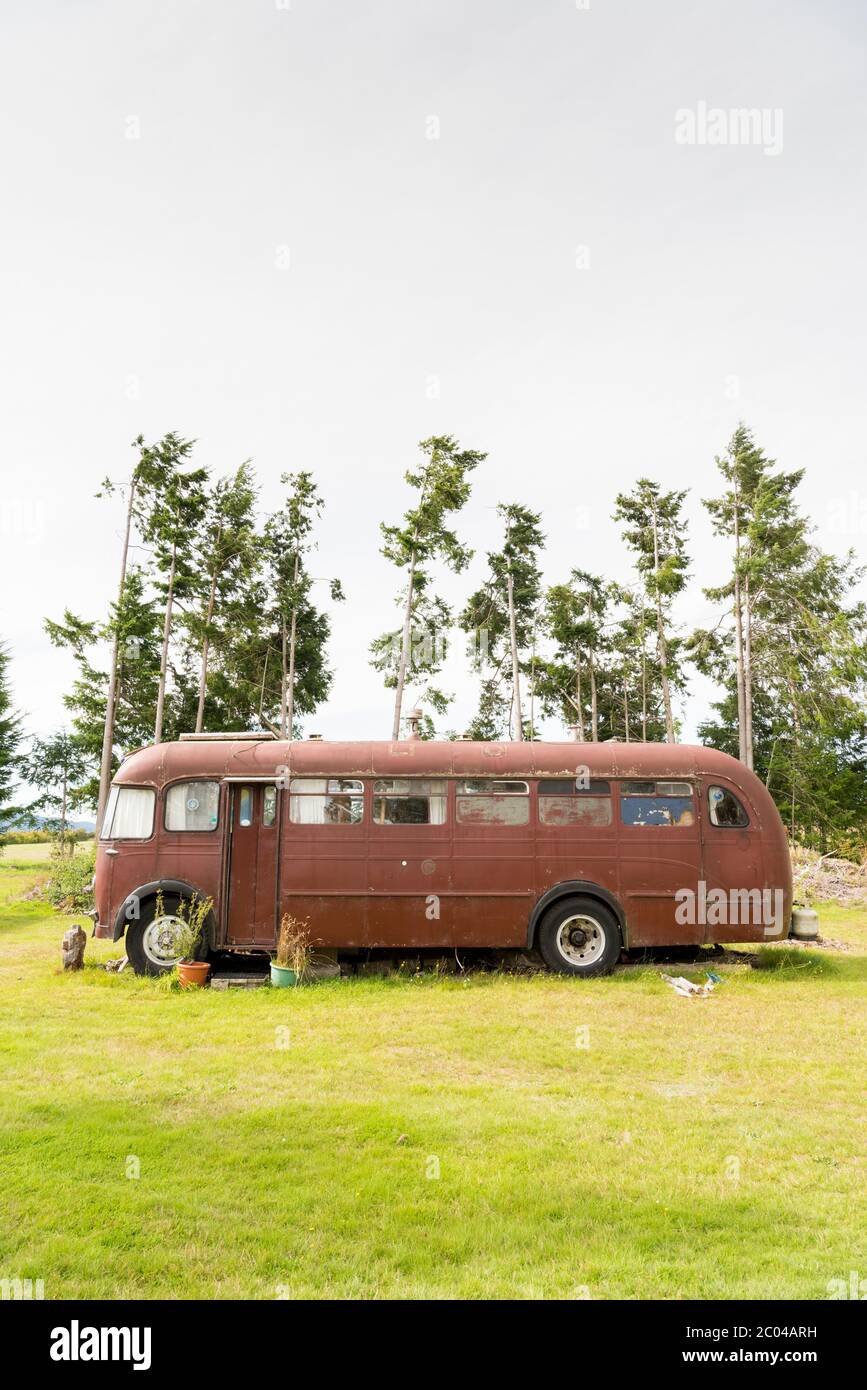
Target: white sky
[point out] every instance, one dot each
(141, 289)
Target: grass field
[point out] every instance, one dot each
(429, 1136)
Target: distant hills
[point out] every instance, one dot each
(47, 823)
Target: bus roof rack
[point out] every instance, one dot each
(226, 738)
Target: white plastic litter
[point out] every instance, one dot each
(688, 989)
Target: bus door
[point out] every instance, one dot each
(251, 916)
(733, 867)
(660, 857)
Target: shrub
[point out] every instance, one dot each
(293, 947)
(40, 837)
(69, 886)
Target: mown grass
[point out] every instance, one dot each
(430, 1137)
(28, 857)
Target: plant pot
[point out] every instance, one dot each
(193, 974)
(282, 977)
(805, 924)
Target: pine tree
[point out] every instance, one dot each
(57, 768)
(575, 618)
(633, 686)
(136, 623)
(417, 649)
(296, 631)
(790, 651)
(656, 535)
(108, 731)
(756, 513)
(171, 504)
(10, 740)
(226, 559)
(504, 616)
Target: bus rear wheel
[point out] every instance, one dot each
(150, 940)
(579, 936)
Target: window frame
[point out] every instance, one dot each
(575, 796)
(657, 781)
(411, 795)
(714, 825)
(520, 797)
(292, 791)
(133, 787)
(186, 782)
(494, 782)
(574, 790)
(246, 792)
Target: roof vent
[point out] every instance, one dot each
(413, 720)
(314, 738)
(242, 735)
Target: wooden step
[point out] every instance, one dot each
(247, 980)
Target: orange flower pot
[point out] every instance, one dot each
(193, 974)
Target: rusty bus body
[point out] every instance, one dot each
(578, 849)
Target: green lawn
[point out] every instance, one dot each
(429, 1137)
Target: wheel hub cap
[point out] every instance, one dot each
(580, 940)
(160, 939)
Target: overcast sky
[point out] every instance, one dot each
(314, 233)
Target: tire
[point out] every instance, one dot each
(560, 944)
(148, 949)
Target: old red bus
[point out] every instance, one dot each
(579, 850)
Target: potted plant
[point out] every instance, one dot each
(192, 914)
(291, 965)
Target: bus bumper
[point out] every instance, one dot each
(101, 930)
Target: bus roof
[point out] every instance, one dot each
(246, 758)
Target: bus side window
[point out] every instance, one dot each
(409, 801)
(269, 805)
(725, 809)
(326, 801)
(656, 803)
(492, 801)
(245, 806)
(567, 801)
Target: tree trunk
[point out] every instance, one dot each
(796, 738)
(643, 679)
(284, 671)
(516, 674)
(579, 699)
(626, 709)
(739, 640)
(262, 687)
(293, 628)
(594, 704)
(206, 641)
(63, 802)
(532, 721)
(164, 657)
(111, 700)
(748, 674)
(662, 644)
(404, 653)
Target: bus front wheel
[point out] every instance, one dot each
(150, 938)
(579, 936)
